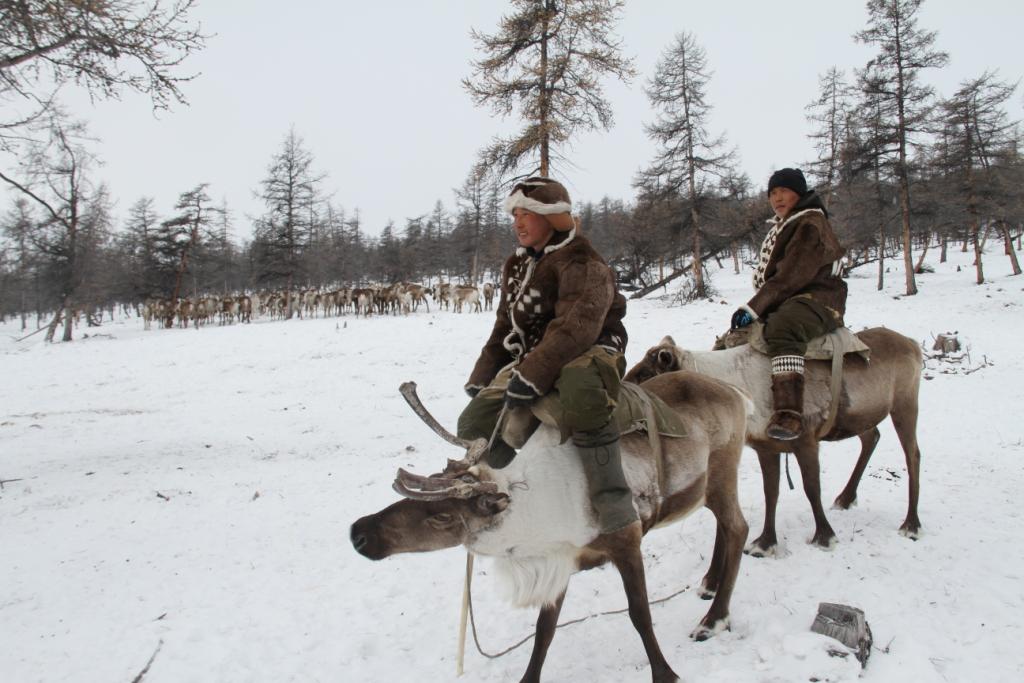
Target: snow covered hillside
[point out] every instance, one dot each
(192, 491)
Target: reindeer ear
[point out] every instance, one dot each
(667, 360)
(491, 503)
(667, 339)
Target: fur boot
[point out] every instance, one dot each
(787, 422)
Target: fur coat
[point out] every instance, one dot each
(555, 304)
(800, 256)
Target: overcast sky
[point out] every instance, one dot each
(374, 91)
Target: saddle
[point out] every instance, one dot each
(832, 346)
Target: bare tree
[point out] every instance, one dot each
(894, 74)
(689, 156)
(546, 59)
(54, 175)
(829, 115)
(978, 143)
(106, 46)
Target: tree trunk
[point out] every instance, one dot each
(924, 252)
(942, 252)
(660, 283)
(735, 257)
(881, 265)
(1008, 242)
(908, 255)
(978, 268)
(545, 138)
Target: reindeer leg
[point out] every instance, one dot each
(906, 430)
(810, 472)
(764, 545)
(547, 621)
(709, 584)
(868, 441)
(623, 547)
(730, 536)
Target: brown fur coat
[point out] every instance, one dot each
(554, 305)
(803, 260)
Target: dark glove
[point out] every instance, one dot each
(741, 318)
(519, 393)
(472, 390)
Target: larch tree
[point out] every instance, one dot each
(105, 46)
(17, 228)
(979, 143)
(904, 51)
(828, 115)
(53, 172)
(290, 192)
(471, 202)
(182, 235)
(546, 61)
(690, 160)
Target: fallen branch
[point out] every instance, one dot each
(30, 334)
(145, 669)
(6, 481)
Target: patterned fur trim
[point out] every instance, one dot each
(768, 245)
(782, 364)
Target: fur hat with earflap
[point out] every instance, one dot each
(546, 197)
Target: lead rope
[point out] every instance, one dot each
(476, 639)
(467, 599)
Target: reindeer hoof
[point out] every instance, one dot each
(705, 631)
(755, 549)
(824, 542)
(842, 503)
(913, 533)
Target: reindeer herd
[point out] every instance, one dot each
(398, 298)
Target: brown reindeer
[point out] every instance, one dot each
(871, 391)
(534, 517)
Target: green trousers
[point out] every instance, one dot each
(797, 321)
(587, 389)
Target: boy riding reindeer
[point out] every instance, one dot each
(800, 294)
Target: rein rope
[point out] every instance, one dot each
(520, 643)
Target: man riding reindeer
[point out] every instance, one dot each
(800, 294)
(558, 326)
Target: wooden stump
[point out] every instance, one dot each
(847, 625)
(946, 343)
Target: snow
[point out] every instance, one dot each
(193, 490)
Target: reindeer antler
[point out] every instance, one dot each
(436, 487)
(474, 449)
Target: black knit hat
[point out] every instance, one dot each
(790, 178)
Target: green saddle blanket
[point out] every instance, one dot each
(635, 409)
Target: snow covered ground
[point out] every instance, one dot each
(193, 491)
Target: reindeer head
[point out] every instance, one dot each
(441, 510)
(658, 360)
